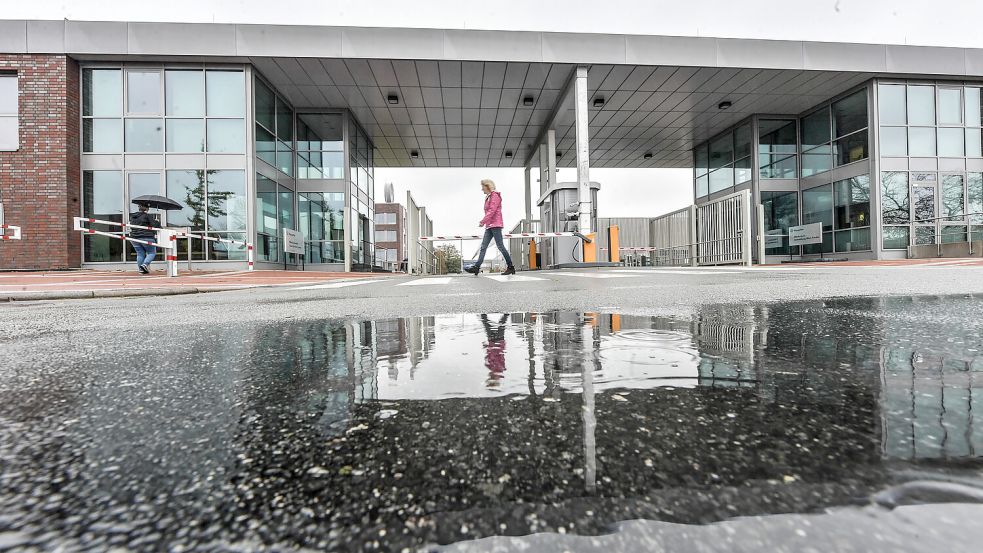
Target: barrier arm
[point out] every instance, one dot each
(15, 232)
(166, 238)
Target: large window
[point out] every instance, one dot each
(817, 207)
(8, 112)
(927, 120)
(320, 146)
(321, 217)
(362, 194)
(102, 198)
(701, 162)
(776, 149)
(385, 218)
(274, 129)
(835, 135)
(385, 236)
(895, 209)
(781, 211)
(851, 202)
(724, 161)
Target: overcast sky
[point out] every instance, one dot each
(452, 196)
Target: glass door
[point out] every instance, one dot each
(924, 196)
(138, 184)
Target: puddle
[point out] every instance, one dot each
(414, 432)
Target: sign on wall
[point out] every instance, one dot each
(805, 234)
(293, 241)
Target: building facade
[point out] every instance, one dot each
(390, 236)
(886, 165)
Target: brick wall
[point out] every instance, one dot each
(398, 227)
(39, 183)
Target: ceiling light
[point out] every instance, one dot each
(648, 155)
(724, 105)
(414, 154)
(599, 101)
(508, 153)
(527, 101)
(559, 154)
(392, 99)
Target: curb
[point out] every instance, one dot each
(111, 293)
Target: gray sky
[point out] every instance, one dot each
(452, 195)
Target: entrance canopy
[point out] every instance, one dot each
(452, 98)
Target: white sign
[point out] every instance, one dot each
(805, 234)
(773, 238)
(293, 241)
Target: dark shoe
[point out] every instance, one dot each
(474, 270)
(144, 269)
(510, 270)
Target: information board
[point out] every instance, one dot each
(805, 234)
(293, 241)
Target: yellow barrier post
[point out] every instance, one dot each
(590, 249)
(614, 249)
(532, 256)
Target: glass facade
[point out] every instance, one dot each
(195, 116)
(361, 197)
(834, 135)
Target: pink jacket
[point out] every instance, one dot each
(493, 211)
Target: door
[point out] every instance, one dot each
(138, 184)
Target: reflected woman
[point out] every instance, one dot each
(495, 348)
(492, 221)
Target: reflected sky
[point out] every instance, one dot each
(335, 435)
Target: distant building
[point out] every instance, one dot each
(390, 236)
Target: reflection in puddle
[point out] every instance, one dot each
(404, 432)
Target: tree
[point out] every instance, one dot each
(451, 257)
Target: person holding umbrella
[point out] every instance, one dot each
(146, 253)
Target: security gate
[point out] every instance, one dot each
(715, 233)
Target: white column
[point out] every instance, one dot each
(583, 150)
(528, 224)
(544, 169)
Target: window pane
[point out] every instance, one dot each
(102, 92)
(972, 102)
(226, 93)
(825, 247)
(721, 151)
(185, 135)
(265, 106)
(951, 142)
(921, 105)
(143, 92)
(974, 196)
(895, 205)
(776, 148)
(144, 135)
(850, 114)
(855, 240)
(742, 170)
(781, 211)
(782, 169)
(817, 206)
(702, 186)
(852, 148)
(950, 106)
(894, 141)
(852, 202)
(973, 143)
(701, 159)
(284, 158)
(952, 197)
(921, 141)
(139, 184)
(102, 196)
(924, 203)
(184, 93)
(924, 236)
(742, 141)
(226, 136)
(221, 251)
(102, 136)
(226, 200)
(266, 213)
(817, 160)
(953, 233)
(891, 104)
(286, 207)
(8, 95)
(815, 129)
(284, 121)
(896, 238)
(265, 146)
(188, 189)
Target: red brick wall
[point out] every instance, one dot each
(39, 183)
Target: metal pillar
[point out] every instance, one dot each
(527, 227)
(583, 150)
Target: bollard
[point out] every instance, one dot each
(250, 256)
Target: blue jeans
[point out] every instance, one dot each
(495, 233)
(145, 253)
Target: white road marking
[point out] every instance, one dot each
(513, 278)
(426, 281)
(342, 284)
(595, 275)
(669, 272)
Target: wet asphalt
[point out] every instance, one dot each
(820, 410)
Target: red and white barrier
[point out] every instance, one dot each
(14, 232)
(173, 236)
(637, 249)
(509, 235)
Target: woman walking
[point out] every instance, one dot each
(492, 221)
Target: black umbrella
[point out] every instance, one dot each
(159, 202)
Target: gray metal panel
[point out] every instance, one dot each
(974, 164)
(583, 48)
(44, 37)
(924, 59)
(779, 54)
(287, 40)
(95, 37)
(371, 42)
(952, 164)
(844, 57)
(203, 39)
(670, 50)
(894, 164)
(13, 37)
(923, 164)
(493, 45)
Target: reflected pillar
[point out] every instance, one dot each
(583, 150)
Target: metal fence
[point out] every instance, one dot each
(715, 233)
